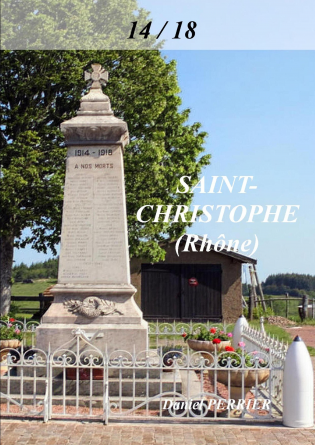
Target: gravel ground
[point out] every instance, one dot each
(307, 333)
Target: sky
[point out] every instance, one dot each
(258, 108)
(235, 25)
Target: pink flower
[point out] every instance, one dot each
(230, 334)
(9, 325)
(255, 352)
(241, 344)
(17, 331)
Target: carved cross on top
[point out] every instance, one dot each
(99, 76)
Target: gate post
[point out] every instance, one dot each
(298, 386)
(238, 330)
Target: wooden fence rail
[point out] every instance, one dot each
(306, 303)
(44, 302)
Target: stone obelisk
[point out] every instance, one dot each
(94, 291)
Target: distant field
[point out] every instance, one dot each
(26, 309)
(287, 309)
(31, 289)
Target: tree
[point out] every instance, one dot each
(72, 24)
(39, 90)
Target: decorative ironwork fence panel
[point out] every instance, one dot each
(24, 373)
(79, 380)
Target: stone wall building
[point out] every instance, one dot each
(197, 285)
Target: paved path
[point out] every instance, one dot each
(77, 433)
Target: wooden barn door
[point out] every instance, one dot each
(160, 291)
(168, 291)
(201, 291)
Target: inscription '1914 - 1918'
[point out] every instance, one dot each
(97, 152)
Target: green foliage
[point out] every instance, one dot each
(292, 283)
(259, 312)
(237, 356)
(45, 269)
(245, 290)
(64, 24)
(207, 335)
(14, 309)
(9, 331)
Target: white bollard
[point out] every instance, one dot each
(238, 329)
(262, 327)
(298, 386)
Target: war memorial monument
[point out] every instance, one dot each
(94, 292)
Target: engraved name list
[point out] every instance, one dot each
(93, 217)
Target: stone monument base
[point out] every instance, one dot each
(108, 315)
(110, 337)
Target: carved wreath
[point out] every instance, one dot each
(92, 307)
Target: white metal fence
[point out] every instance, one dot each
(80, 381)
(259, 340)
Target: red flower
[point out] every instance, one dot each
(229, 349)
(184, 335)
(213, 330)
(216, 341)
(11, 319)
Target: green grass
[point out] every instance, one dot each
(31, 289)
(279, 306)
(306, 322)
(27, 309)
(273, 330)
(281, 333)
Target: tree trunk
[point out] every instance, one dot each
(6, 261)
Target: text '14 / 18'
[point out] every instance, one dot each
(145, 32)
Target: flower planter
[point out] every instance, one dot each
(12, 343)
(8, 344)
(200, 345)
(249, 377)
(236, 380)
(84, 373)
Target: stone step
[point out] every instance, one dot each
(139, 373)
(169, 382)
